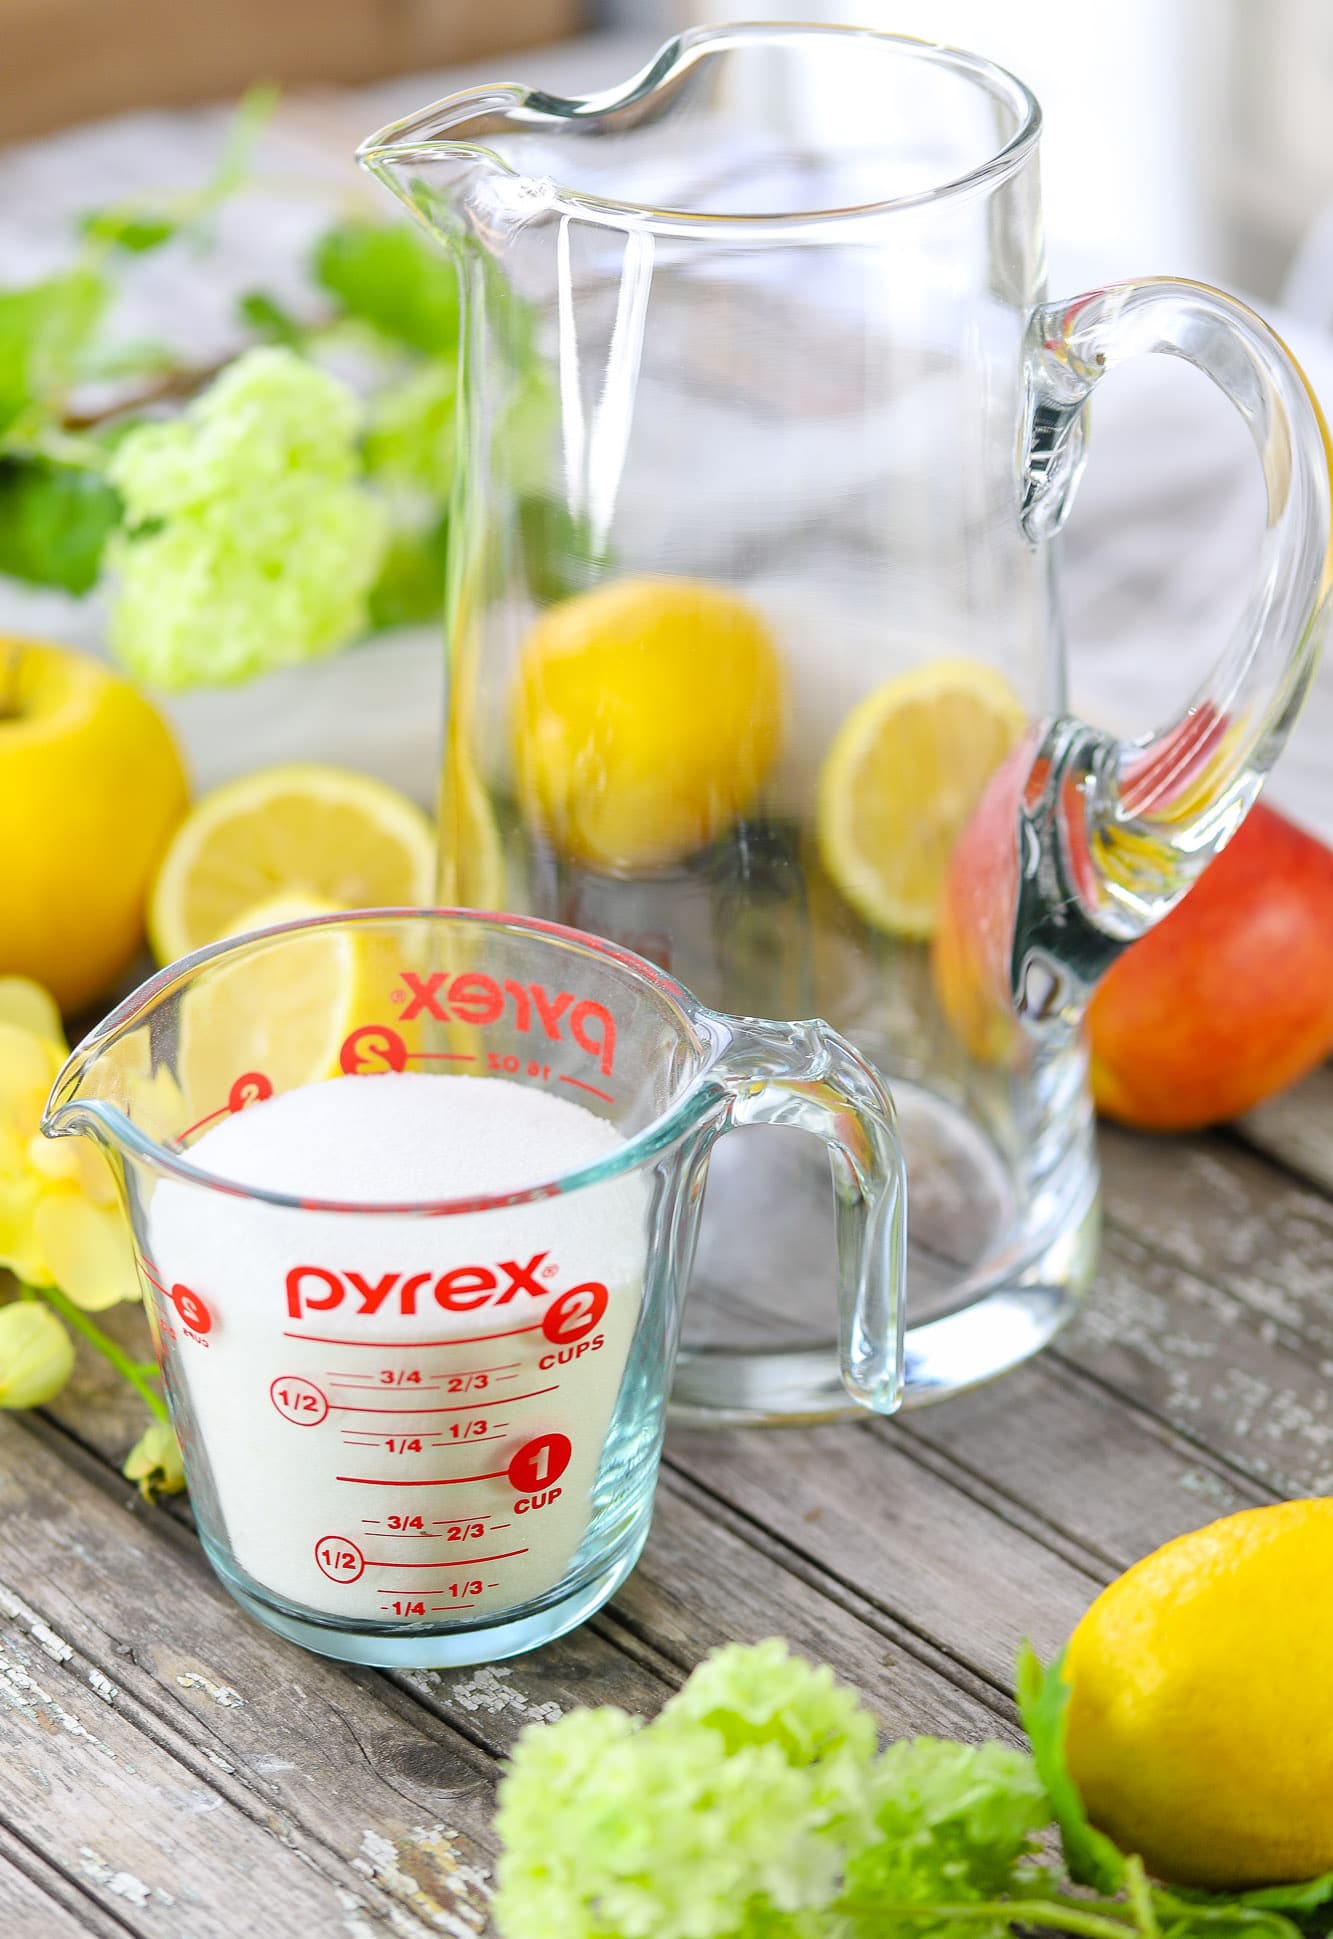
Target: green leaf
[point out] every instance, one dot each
(1305, 1896)
(1043, 1704)
(54, 523)
(393, 279)
(252, 116)
(136, 231)
(270, 319)
(410, 588)
(44, 330)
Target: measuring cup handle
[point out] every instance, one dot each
(1115, 831)
(805, 1075)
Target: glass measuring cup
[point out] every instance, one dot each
(421, 1423)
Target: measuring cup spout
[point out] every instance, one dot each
(76, 1108)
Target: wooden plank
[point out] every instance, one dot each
(1096, 1470)
(37, 1902)
(293, 1783)
(105, 1802)
(1230, 1216)
(1195, 1356)
(1296, 1128)
(870, 1519)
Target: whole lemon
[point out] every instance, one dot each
(1201, 1710)
(647, 715)
(91, 787)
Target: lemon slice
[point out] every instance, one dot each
(324, 834)
(279, 1014)
(900, 782)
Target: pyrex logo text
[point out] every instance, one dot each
(479, 999)
(318, 1289)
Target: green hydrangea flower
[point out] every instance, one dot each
(614, 1831)
(249, 542)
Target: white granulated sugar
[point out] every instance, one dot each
(391, 1417)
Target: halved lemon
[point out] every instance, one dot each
(323, 834)
(276, 1018)
(900, 782)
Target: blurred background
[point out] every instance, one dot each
(1181, 136)
(1188, 132)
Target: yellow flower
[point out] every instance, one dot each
(155, 1463)
(60, 1220)
(36, 1355)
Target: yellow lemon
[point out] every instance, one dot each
(326, 835)
(1201, 1715)
(91, 787)
(647, 716)
(900, 782)
(280, 1013)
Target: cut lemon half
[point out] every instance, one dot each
(323, 834)
(276, 1017)
(900, 782)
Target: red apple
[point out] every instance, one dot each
(1230, 998)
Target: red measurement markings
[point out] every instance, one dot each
(579, 1085)
(471, 1407)
(440, 1057)
(540, 1462)
(298, 1400)
(468, 1562)
(470, 1340)
(443, 1481)
(224, 1111)
(339, 1558)
(150, 1274)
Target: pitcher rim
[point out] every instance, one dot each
(397, 139)
(681, 1114)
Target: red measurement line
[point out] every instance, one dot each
(579, 1085)
(441, 1056)
(190, 1129)
(468, 1408)
(150, 1275)
(388, 1562)
(446, 1481)
(387, 1346)
(355, 1386)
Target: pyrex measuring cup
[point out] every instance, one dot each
(414, 1199)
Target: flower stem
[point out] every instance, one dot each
(138, 1372)
(1061, 1915)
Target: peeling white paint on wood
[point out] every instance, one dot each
(121, 1885)
(41, 1632)
(492, 1688)
(447, 1877)
(102, 1686)
(220, 1693)
(24, 1693)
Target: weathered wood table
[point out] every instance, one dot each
(171, 1771)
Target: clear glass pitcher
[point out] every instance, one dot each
(755, 661)
(414, 1199)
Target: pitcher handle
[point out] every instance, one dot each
(805, 1075)
(1112, 833)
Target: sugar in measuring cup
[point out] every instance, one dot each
(414, 1198)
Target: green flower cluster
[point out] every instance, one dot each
(756, 1806)
(248, 541)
